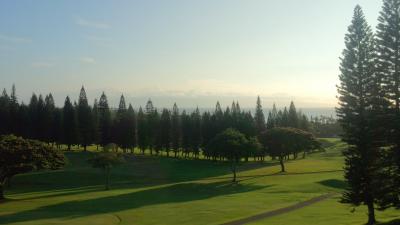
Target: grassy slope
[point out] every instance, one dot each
(167, 191)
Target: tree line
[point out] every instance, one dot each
(174, 132)
(369, 110)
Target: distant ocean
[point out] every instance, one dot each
(330, 112)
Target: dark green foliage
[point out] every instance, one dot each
(105, 161)
(152, 123)
(142, 130)
(259, 117)
(196, 132)
(96, 123)
(164, 135)
(35, 109)
(124, 126)
(176, 132)
(287, 118)
(13, 111)
(69, 124)
(57, 128)
(105, 122)
(388, 67)
(131, 130)
(48, 119)
(85, 120)
(186, 133)
(325, 127)
(280, 142)
(4, 112)
(231, 145)
(357, 112)
(293, 120)
(18, 155)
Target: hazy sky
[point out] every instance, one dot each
(191, 52)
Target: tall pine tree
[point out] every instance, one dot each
(105, 122)
(175, 130)
(388, 65)
(356, 117)
(69, 124)
(85, 120)
(259, 117)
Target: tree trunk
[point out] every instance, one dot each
(2, 197)
(7, 182)
(69, 147)
(282, 165)
(234, 172)
(107, 176)
(371, 213)
(84, 148)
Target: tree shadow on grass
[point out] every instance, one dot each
(393, 222)
(334, 183)
(138, 172)
(177, 193)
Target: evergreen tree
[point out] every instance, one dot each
(13, 111)
(48, 118)
(85, 120)
(120, 126)
(105, 122)
(4, 112)
(164, 130)
(40, 119)
(186, 134)
(23, 120)
(96, 123)
(217, 120)
(259, 117)
(131, 121)
(33, 105)
(270, 121)
(206, 128)
(142, 130)
(293, 120)
(69, 123)
(57, 128)
(149, 107)
(388, 66)
(196, 132)
(175, 130)
(355, 101)
(285, 118)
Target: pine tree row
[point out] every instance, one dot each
(173, 132)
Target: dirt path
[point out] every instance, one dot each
(280, 211)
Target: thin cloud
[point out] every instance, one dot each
(97, 38)
(92, 24)
(13, 39)
(42, 64)
(87, 60)
(102, 41)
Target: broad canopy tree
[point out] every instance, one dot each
(280, 142)
(18, 155)
(106, 161)
(233, 146)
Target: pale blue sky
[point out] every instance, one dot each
(191, 52)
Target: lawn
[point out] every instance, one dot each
(160, 190)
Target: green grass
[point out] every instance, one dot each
(151, 190)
